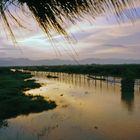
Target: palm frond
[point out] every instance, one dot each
(51, 14)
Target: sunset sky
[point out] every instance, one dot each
(103, 37)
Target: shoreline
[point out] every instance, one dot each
(14, 101)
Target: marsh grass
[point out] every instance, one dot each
(13, 101)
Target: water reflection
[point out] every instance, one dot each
(126, 85)
(127, 92)
(46, 131)
(80, 80)
(86, 109)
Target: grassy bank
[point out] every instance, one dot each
(13, 101)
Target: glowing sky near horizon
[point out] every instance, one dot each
(100, 38)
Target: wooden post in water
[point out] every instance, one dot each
(107, 81)
(95, 81)
(100, 81)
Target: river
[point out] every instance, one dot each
(87, 109)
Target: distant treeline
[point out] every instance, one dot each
(123, 70)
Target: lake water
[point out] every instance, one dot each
(87, 110)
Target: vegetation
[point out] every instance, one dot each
(125, 70)
(13, 101)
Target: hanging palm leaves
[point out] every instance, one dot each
(51, 14)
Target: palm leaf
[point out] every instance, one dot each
(51, 14)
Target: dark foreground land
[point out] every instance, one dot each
(13, 101)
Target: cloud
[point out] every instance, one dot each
(89, 38)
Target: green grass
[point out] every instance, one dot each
(13, 101)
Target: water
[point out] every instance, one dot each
(87, 110)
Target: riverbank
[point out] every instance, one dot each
(88, 109)
(14, 101)
(122, 70)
